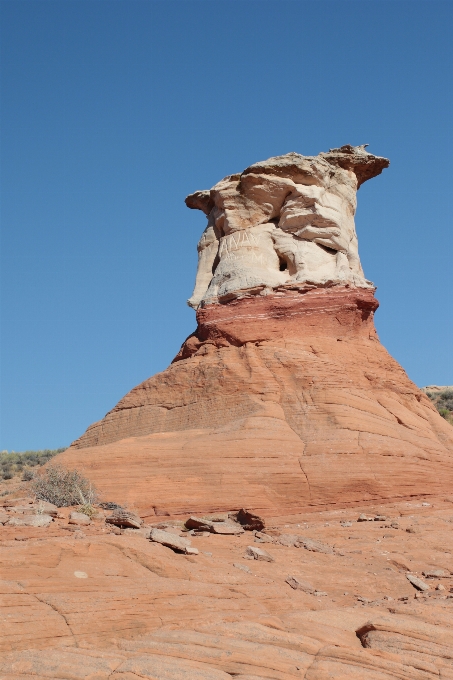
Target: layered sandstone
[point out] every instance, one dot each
(276, 403)
(283, 401)
(91, 604)
(283, 398)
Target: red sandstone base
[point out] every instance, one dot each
(276, 403)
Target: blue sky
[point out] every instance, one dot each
(114, 110)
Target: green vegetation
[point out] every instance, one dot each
(64, 487)
(443, 401)
(14, 464)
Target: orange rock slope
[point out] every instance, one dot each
(276, 403)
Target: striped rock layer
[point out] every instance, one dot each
(276, 403)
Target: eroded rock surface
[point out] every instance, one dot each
(287, 221)
(121, 607)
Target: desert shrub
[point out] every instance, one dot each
(63, 487)
(15, 463)
(27, 475)
(7, 474)
(445, 400)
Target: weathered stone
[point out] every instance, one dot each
(297, 584)
(263, 538)
(199, 524)
(242, 567)
(124, 518)
(364, 518)
(4, 517)
(79, 518)
(227, 528)
(285, 393)
(170, 540)
(191, 551)
(30, 521)
(249, 521)
(217, 527)
(258, 554)
(289, 540)
(315, 546)
(285, 221)
(435, 573)
(417, 582)
(144, 532)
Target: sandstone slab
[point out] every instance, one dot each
(124, 518)
(30, 521)
(79, 518)
(169, 540)
(255, 553)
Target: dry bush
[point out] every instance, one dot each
(63, 487)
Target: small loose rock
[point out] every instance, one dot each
(79, 518)
(257, 554)
(417, 582)
(297, 584)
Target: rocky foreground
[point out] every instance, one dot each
(362, 592)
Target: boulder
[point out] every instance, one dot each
(124, 518)
(249, 521)
(200, 524)
(172, 541)
(79, 518)
(30, 521)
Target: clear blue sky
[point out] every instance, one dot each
(114, 110)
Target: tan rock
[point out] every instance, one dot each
(258, 554)
(199, 524)
(297, 584)
(124, 518)
(30, 521)
(79, 518)
(170, 540)
(417, 582)
(226, 528)
(288, 220)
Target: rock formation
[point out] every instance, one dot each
(284, 222)
(283, 397)
(284, 406)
